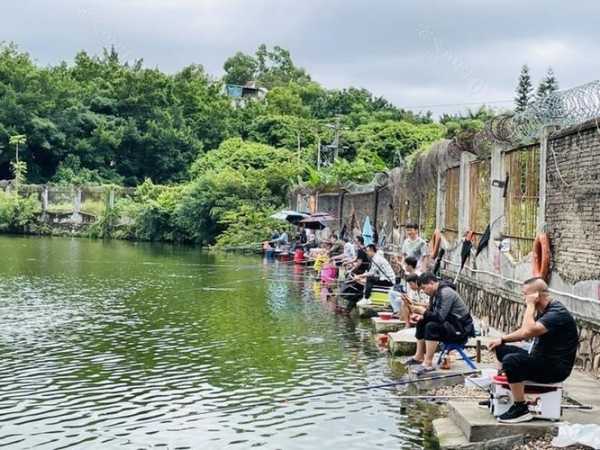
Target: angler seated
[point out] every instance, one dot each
(446, 319)
(380, 274)
(406, 297)
(552, 356)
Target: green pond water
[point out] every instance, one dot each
(121, 345)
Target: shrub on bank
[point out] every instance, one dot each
(18, 214)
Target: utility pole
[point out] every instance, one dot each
(336, 139)
(335, 145)
(318, 152)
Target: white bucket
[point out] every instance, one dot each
(482, 382)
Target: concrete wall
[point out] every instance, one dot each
(573, 202)
(569, 210)
(70, 207)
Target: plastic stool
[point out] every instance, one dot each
(460, 348)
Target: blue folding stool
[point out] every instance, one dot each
(460, 348)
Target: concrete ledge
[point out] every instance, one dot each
(387, 326)
(478, 424)
(448, 434)
(450, 437)
(364, 312)
(403, 342)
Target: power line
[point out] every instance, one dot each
(458, 104)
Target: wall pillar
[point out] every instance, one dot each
(464, 198)
(45, 199)
(541, 218)
(439, 202)
(497, 172)
(111, 199)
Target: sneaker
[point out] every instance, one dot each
(518, 412)
(364, 302)
(484, 404)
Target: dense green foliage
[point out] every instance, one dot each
(206, 167)
(524, 90)
(18, 214)
(547, 86)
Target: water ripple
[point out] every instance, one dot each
(113, 345)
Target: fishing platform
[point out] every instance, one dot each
(468, 426)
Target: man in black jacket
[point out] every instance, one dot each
(446, 319)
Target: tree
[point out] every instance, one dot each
(547, 86)
(16, 140)
(276, 68)
(239, 69)
(524, 90)
(392, 141)
(282, 100)
(19, 168)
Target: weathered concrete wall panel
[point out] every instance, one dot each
(573, 202)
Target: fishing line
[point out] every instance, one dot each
(284, 402)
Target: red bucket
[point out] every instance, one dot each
(299, 256)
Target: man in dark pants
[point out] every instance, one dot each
(552, 356)
(446, 319)
(351, 290)
(380, 274)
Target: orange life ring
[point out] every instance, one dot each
(435, 243)
(541, 256)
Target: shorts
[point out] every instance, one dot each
(520, 366)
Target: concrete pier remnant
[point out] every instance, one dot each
(403, 342)
(387, 326)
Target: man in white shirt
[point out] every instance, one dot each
(380, 273)
(348, 254)
(415, 246)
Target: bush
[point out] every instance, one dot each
(18, 214)
(246, 226)
(149, 214)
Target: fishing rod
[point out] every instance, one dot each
(274, 402)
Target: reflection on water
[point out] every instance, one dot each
(120, 345)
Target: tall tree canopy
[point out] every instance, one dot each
(524, 89)
(547, 86)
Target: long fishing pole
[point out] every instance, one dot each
(239, 408)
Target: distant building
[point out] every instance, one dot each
(249, 91)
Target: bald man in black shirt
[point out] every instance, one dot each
(552, 356)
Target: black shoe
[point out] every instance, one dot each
(484, 404)
(518, 412)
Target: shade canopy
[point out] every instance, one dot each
(290, 216)
(322, 216)
(312, 224)
(316, 221)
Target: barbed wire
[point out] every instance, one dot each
(562, 109)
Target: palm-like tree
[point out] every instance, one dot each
(19, 168)
(16, 140)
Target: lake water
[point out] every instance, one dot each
(122, 345)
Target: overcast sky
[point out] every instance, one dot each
(415, 53)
